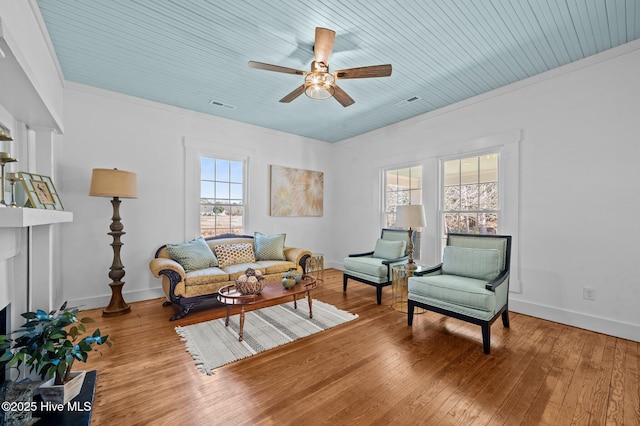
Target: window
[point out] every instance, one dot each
(470, 196)
(221, 196)
(402, 187)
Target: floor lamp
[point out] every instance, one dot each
(117, 184)
(412, 217)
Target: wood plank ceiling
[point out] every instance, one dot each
(188, 53)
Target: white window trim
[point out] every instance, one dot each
(194, 150)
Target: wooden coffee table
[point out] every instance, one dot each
(272, 294)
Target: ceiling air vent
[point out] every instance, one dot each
(407, 101)
(222, 105)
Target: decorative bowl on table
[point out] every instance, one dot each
(251, 282)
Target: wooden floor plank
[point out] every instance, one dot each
(632, 384)
(615, 404)
(602, 386)
(374, 370)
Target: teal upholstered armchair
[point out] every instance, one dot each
(471, 283)
(374, 267)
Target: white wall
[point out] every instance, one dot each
(579, 174)
(107, 130)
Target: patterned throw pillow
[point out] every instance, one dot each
(232, 254)
(269, 247)
(193, 255)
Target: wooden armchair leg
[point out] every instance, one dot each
(344, 283)
(505, 318)
(379, 294)
(486, 338)
(410, 308)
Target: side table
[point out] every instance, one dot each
(315, 266)
(400, 289)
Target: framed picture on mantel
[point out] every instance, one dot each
(40, 191)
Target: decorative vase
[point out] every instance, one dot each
(293, 273)
(288, 282)
(61, 394)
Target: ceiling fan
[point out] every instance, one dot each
(319, 83)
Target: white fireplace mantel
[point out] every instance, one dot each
(12, 217)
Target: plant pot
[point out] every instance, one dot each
(61, 394)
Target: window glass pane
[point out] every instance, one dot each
(469, 197)
(222, 190)
(489, 168)
(222, 221)
(416, 177)
(392, 180)
(235, 190)
(207, 167)
(452, 172)
(468, 223)
(402, 198)
(469, 170)
(452, 198)
(206, 189)
(451, 222)
(222, 170)
(489, 196)
(236, 172)
(391, 219)
(488, 223)
(404, 179)
(391, 202)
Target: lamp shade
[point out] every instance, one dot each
(411, 216)
(113, 183)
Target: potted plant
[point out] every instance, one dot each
(49, 344)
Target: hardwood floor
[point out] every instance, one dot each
(374, 370)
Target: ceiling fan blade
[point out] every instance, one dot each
(276, 68)
(291, 96)
(323, 45)
(342, 97)
(365, 72)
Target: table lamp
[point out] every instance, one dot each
(412, 217)
(117, 184)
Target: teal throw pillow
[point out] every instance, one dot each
(194, 255)
(389, 249)
(481, 264)
(269, 247)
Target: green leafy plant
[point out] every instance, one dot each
(49, 343)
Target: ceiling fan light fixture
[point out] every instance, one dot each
(319, 85)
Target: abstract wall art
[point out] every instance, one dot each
(296, 192)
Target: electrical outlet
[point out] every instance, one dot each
(588, 293)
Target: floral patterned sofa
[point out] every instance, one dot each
(195, 271)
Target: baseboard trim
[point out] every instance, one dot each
(103, 300)
(572, 318)
(577, 319)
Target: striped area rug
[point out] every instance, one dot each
(212, 345)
